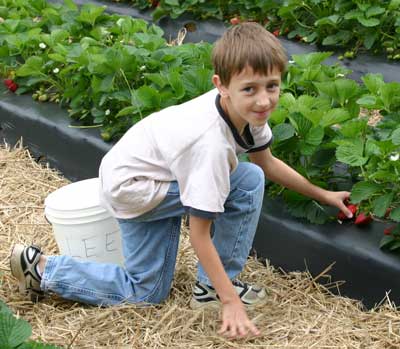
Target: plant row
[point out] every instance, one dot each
(110, 71)
(352, 25)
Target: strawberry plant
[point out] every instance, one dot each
(353, 25)
(15, 332)
(108, 70)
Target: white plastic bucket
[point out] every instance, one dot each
(82, 228)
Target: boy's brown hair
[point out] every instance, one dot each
(249, 44)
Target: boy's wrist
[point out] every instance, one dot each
(230, 299)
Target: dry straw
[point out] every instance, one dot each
(299, 312)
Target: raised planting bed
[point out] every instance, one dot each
(369, 273)
(210, 30)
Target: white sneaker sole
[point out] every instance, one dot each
(15, 265)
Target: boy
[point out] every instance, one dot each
(183, 160)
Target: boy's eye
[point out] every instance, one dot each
(248, 89)
(272, 86)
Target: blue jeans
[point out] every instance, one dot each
(150, 244)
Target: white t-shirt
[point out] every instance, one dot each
(193, 143)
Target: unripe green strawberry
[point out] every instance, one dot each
(43, 98)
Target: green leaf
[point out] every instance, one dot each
(156, 78)
(394, 246)
(300, 123)
(331, 40)
(394, 5)
(346, 89)
(374, 11)
(305, 208)
(57, 57)
(32, 66)
(148, 97)
(373, 82)
(71, 5)
(351, 152)
(278, 116)
(89, 13)
(370, 39)
(127, 111)
(364, 190)
(4, 308)
(175, 80)
(381, 204)
(283, 131)
(13, 331)
(307, 60)
(366, 100)
(172, 2)
(330, 20)
(395, 214)
(386, 241)
(315, 136)
(390, 95)
(353, 14)
(395, 137)
(368, 22)
(334, 116)
(287, 100)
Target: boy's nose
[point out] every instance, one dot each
(263, 100)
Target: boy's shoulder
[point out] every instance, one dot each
(195, 114)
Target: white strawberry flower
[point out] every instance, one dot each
(394, 156)
(143, 67)
(56, 70)
(107, 112)
(42, 45)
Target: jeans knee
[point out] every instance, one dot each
(252, 177)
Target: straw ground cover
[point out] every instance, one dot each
(299, 313)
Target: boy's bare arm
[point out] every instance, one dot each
(279, 172)
(235, 321)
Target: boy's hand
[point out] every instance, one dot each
(337, 198)
(235, 323)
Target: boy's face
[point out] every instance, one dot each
(249, 98)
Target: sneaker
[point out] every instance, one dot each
(24, 263)
(204, 295)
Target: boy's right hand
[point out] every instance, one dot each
(235, 323)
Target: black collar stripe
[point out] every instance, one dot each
(246, 142)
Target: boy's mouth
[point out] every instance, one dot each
(262, 114)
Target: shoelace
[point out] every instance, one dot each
(239, 283)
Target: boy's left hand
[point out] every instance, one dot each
(337, 198)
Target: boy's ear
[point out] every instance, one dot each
(223, 91)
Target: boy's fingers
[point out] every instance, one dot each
(253, 329)
(345, 210)
(242, 331)
(223, 328)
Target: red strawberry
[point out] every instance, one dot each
(13, 87)
(276, 32)
(363, 219)
(388, 231)
(8, 82)
(235, 20)
(353, 209)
